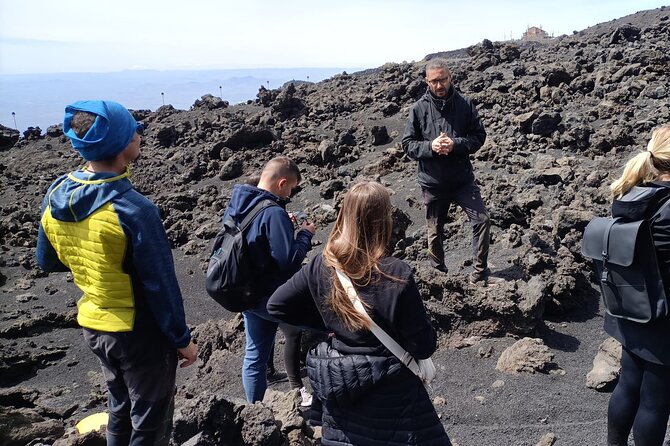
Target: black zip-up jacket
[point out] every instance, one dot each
(457, 117)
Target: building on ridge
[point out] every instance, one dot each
(534, 33)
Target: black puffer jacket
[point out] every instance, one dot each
(650, 341)
(457, 117)
(367, 397)
(344, 378)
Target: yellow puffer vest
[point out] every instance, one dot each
(94, 250)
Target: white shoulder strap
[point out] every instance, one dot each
(383, 337)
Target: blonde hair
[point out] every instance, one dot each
(646, 166)
(356, 244)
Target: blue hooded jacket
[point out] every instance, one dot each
(112, 239)
(274, 248)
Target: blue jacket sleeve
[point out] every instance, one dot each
(45, 254)
(288, 251)
(153, 267)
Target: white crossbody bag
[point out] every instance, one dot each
(423, 368)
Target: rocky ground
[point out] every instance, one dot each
(562, 118)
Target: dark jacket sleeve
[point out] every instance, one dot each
(293, 303)
(153, 266)
(476, 135)
(412, 323)
(45, 254)
(414, 143)
(287, 251)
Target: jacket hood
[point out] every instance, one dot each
(81, 193)
(640, 202)
(245, 197)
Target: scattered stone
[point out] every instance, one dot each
(209, 102)
(73, 438)
(528, 355)
(8, 137)
(485, 352)
(32, 133)
(498, 384)
(233, 168)
(380, 135)
(547, 440)
(54, 131)
(19, 426)
(26, 297)
(606, 365)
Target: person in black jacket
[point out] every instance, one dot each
(366, 395)
(442, 131)
(641, 400)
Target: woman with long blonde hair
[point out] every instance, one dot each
(366, 395)
(641, 400)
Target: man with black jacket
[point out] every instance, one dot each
(443, 129)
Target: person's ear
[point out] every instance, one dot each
(282, 182)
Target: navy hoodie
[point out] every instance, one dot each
(275, 250)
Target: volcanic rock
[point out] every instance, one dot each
(20, 426)
(55, 131)
(209, 102)
(606, 365)
(528, 355)
(32, 133)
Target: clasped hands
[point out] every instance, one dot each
(442, 145)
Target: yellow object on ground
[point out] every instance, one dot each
(92, 422)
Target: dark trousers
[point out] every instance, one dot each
(640, 402)
(140, 371)
(469, 198)
(293, 336)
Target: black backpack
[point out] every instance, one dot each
(625, 259)
(230, 277)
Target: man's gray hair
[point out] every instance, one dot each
(438, 63)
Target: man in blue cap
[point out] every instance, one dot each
(97, 226)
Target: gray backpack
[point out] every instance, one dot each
(625, 259)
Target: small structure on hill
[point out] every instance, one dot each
(534, 33)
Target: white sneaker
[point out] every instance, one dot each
(306, 397)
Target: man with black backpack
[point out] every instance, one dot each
(275, 252)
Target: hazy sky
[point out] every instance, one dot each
(46, 36)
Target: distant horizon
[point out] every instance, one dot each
(194, 69)
(38, 99)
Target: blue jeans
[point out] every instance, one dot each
(260, 329)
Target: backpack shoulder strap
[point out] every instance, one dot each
(246, 221)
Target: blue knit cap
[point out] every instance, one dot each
(110, 134)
